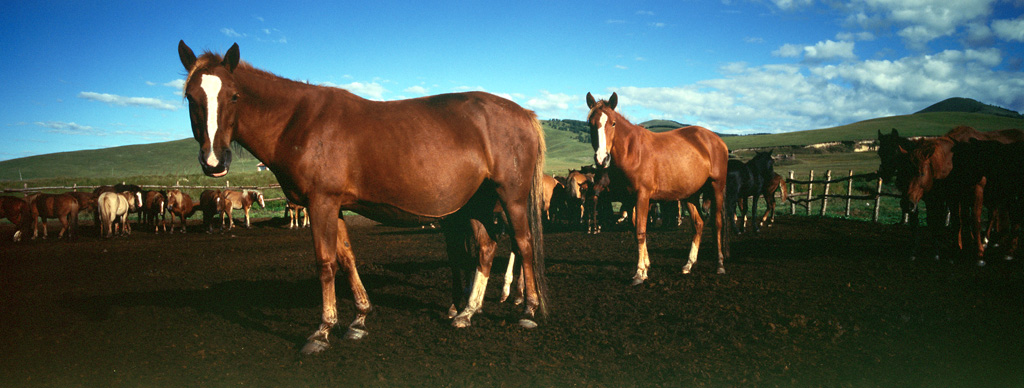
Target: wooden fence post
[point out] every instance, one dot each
(824, 198)
(878, 200)
(792, 205)
(849, 193)
(810, 191)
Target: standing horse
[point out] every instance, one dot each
(114, 207)
(241, 200)
(1001, 167)
(747, 180)
(154, 208)
(16, 211)
(674, 165)
(448, 158)
(63, 207)
(212, 203)
(295, 209)
(179, 203)
(775, 183)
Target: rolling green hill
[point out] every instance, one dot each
(960, 104)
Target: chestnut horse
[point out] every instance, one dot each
(295, 209)
(680, 164)
(448, 158)
(16, 211)
(180, 204)
(154, 209)
(242, 200)
(63, 207)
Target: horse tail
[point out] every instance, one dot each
(536, 218)
(782, 186)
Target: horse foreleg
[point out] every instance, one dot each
(698, 227)
(643, 263)
(325, 242)
(247, 225)
(506, 288)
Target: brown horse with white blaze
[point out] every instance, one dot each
(448, 158)
(680, 164)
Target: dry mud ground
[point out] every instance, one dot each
(809, 302)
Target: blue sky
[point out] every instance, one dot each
(85, 75)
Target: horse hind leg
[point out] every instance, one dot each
(698, 227)
(485, 248)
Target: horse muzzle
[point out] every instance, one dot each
(603, 160)
(215, 166)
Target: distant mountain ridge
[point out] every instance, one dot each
(967, 105)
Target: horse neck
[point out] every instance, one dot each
(629, 140)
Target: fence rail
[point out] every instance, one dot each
(227, 185)
(806, 198)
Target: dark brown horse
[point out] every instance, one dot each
(63, 207)
(16, 211)
(154, 209)
(447, 158)
(674, 165)
(212, 203)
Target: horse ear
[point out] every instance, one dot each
(880, 134)
(591, 101)
(188, 58)
(902, 150)
(231, 58)
(894, 132)
(613, 100)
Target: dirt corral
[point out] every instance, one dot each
(809, 302)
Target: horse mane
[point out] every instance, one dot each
(210, 60)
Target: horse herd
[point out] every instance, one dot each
(957, 176)
(111, 205)
(458, 159)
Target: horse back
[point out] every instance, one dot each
(963, 134)
(685, 159)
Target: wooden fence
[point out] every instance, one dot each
(807, 198)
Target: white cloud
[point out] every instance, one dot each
(231, 33)
(112, 99)
(921, 21)
(69, 128)
(372, 90)
(778, 98)
(828, 50)
(177, 84)
(550, 102)
(1011, 30)
(416, 90)
(792, 4)
(820, 52)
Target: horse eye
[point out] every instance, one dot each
(234, 97)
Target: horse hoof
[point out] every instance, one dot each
(1008, 258)
(461, 322)
(721, 271)
(315, 346)
(452, 312)
(355, 334)
(981, 263)
(637, 282)
(527, 324)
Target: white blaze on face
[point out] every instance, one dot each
(602, 142)
(211, 86)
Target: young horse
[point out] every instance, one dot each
(747, 180)
(241, 200)
(63, 207)
(775, 183)
(458, 156)
(114, 207)
(295, 209)
(679, 164)
(179, 203)
(16, 211)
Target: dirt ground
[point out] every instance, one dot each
(809, 302)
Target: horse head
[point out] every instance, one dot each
(763, 163)
(928, 162)
(892, 160)
(602, 120)
(212, 95)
